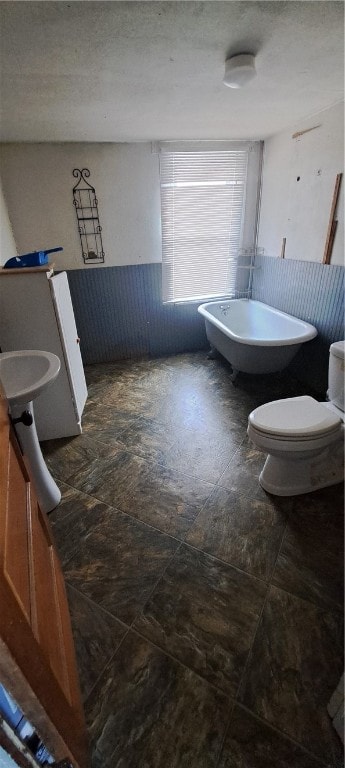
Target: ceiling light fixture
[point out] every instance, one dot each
(239, 70)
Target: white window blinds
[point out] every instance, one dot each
(202, 200)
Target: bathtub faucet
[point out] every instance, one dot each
(224, 307)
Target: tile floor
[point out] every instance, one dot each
(207, 615)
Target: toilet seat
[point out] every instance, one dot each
(295, 419)
(303, 439)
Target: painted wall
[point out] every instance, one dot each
(299, 210)
(38, 182)
(7, 243)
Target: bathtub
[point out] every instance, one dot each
(252, 336)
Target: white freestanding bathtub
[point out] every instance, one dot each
(252, 336)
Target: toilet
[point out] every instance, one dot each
(304, 439)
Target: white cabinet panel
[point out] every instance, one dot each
(69, 339)
(31, 319)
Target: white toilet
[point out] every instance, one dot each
(304, 439)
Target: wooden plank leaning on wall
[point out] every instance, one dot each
(333, 223)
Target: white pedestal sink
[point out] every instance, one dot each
(24, 375)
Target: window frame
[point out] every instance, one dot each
(251, 203)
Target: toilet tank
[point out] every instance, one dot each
(336, 370)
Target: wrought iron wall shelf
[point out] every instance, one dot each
(86, 208)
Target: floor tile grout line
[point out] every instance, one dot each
(183, 542)
(151, 462)
(179, 429)
(169, 535)
(164, 652)
(186, 544)
(280, 547)
(197, 507)
(122, 512)
(109, 662)
(161, 576)
(131, 421)
(211, 428)
(183, 665)
(153, 418)
(180, 542)
(226, 731)
(132, 627)
(96, 605)
(200, 510)
(231, 460)
(318, 606)
(282, 539)
(225, 562)
(285, 735)
(154, 463)
(238, 496)
(54, 523)
(260, 620)
(245, 668)
(171, 469)
(329, 608)
(125, 626)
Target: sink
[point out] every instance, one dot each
(26, 373)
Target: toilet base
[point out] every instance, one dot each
(291, 477)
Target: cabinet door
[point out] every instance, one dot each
(69, 339)
(37, 661)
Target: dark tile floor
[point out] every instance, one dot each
(207, 615)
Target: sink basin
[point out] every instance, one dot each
(26, 373)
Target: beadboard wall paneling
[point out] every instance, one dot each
(315, 293)
(172, 328)
(120, 315)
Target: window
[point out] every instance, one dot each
(203, 200)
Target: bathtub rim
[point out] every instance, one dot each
(310, 332)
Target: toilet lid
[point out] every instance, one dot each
(294, 417)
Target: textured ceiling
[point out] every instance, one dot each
(137, 71)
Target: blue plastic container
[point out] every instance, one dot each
(34, 259)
